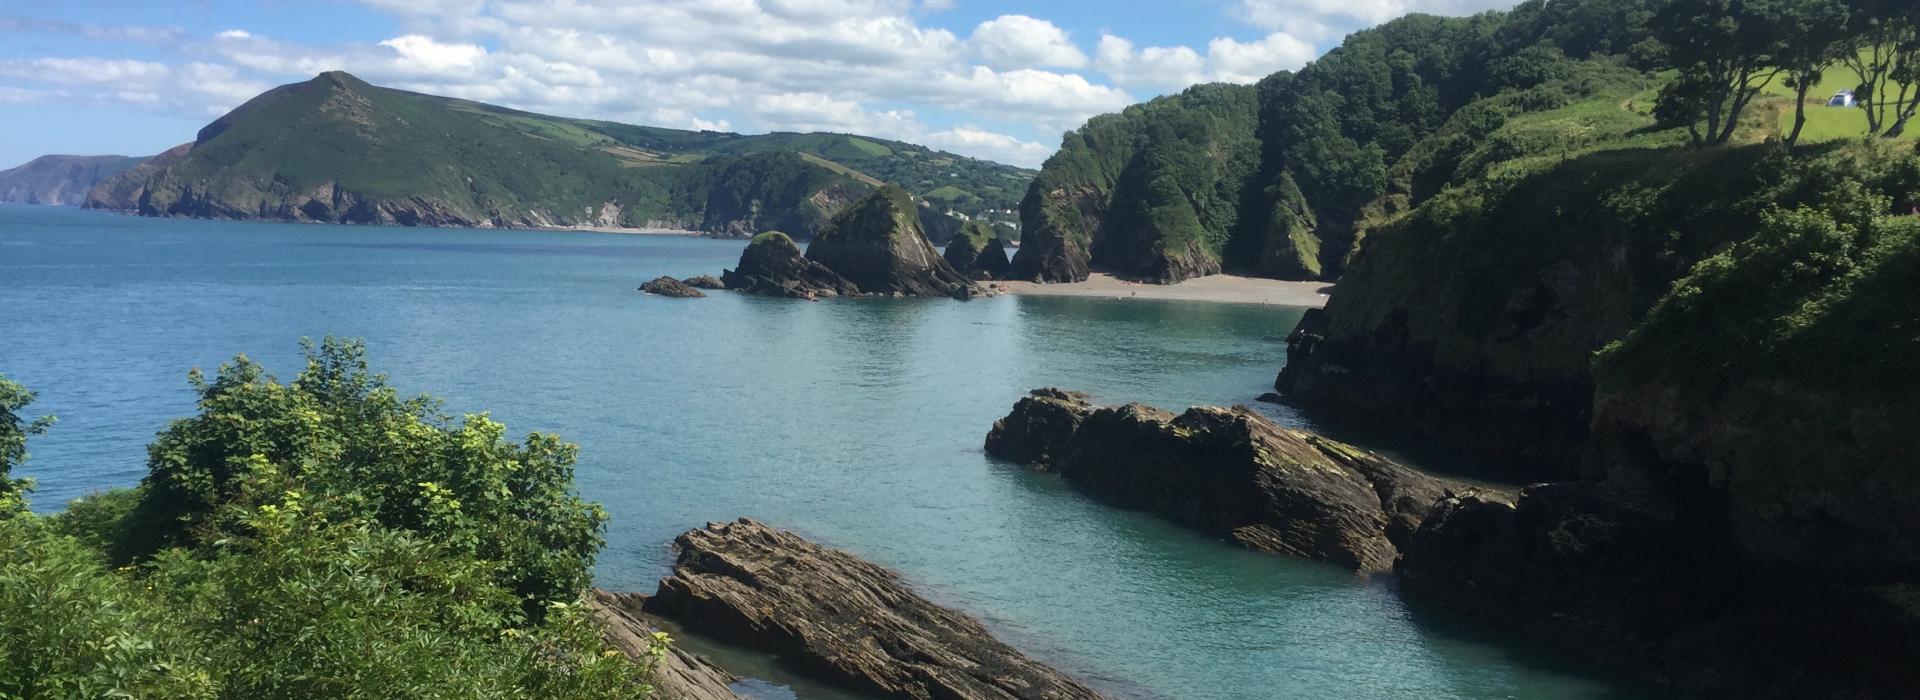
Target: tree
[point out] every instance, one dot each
(14, 432)
(1886, 55)
(1813, 36)
(1726, 52)
(339, 434)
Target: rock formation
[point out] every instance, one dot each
(977, 252)
(1227, 471)
(704, 282)
(877, 244)
(670, 287)
(833, 616)
(772, 265)
(679, 675)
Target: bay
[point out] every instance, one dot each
(857, 423)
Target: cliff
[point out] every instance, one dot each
(59, 179)
(978, 252)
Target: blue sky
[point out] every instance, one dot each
(998, 80)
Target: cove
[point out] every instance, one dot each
(857, 423)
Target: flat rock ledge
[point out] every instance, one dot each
(1227, 471)
(830, 615)
(679, 675)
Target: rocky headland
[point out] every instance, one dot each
(60, 179)
(1226, 471)
(679, 675)
(830, 615)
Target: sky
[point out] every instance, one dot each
(990, 79)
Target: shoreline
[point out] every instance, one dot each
(610, 229)
(1217, 289)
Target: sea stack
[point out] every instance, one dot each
(978, 252)
(773, 266)
(877, 244)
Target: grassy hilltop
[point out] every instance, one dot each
(338, 149)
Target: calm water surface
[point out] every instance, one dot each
(855, 422)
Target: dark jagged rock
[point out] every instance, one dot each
(1228, 471)
(833, 616)
(670, 287)
(1620, 575)
(773, 266)
(977, 252)
(1040, 428)
(704, 282)
(877, 244)
(677, 676)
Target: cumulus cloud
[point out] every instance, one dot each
(1226, 60)
(1019, 40)
(1327, 19)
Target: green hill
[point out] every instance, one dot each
(337, 149)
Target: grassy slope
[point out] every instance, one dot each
(486, 162)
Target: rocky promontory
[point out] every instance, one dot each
(59, 179)
(1227, 471)
(877, 244)
(772, 265)
(830, 615)
(978, 252)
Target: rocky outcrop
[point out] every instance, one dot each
(772, 265)
(60, 180)
(1227, 471)
(833, 616)
(670, 287)
(679, 675)
(704, 282)
(877, 244)
(978, 252)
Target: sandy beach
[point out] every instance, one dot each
(624, 231)
(1225, 289)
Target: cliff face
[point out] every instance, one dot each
(1473, 319)
(59, 179)
(878, 245)
(1743, 521)
(1149, 193)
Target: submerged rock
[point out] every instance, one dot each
(833, 616)
(679, 675)
(772, 265)
(878, 245)
(978, 252)
(1228, 471)
(670, 287)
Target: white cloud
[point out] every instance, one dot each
(1327, 19)
(1021, 41)
(235, 34)
(1226, 60)
(425, 54)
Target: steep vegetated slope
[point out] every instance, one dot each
(336, 149)
(1278, 180)
(59, 179)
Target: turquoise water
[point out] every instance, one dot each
(855, 422)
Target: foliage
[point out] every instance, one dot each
(1727, 51)
(14, 431)
(316, 575)
(341, 435)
